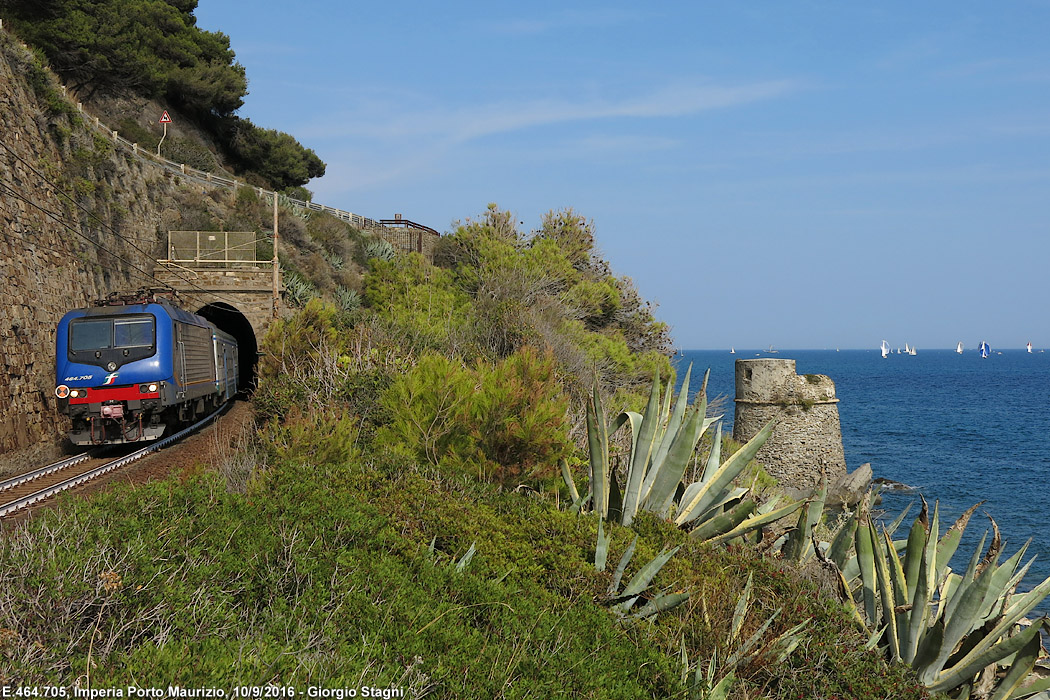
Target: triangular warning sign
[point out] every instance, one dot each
(164, 118)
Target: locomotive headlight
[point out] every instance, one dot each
(62, 391)
(153, 388)
(148, 388)
(112, 366)
(77, 393)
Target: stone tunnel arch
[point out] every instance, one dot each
(231, 320)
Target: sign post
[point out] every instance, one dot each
(165, 120)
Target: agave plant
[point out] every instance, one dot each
(349, 300)
(955, 630)
(623, 601)
(663, 443)
(379, 248)
(742, 650)
(298, 290)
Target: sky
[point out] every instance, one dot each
(799, 174)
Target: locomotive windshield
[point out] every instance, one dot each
(105, 333)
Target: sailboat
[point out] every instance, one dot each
(985, 350)
(1029, 346)
(959, 348)
(885, 348)
(732, 351)
(911, 350)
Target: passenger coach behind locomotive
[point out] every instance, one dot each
(131, 367)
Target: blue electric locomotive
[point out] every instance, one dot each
(132, 367)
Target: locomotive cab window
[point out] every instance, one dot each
(133, 333)
(105, 333)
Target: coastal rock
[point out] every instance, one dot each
(849, 489)
(890, 485)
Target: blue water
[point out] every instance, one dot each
(957, 428)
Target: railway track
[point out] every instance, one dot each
(22, 491)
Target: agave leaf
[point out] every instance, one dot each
(661, 604)
(892, 527)
(922, 596)
(757, 521)
(598, 447)
(866, 560)
(641, 453)
(981, 656)
(601, 552)
(690, 491)
(742, 604)
(948, 588)
(462, 563)
(615, 497)
(929, 646)
(714, 458)
(1024, 605)
(950, 542)
(913, 554)
(799, 543)
(967, 616)
(668, 475)
(721, 690)
(720, 524)
(644, 577)
(851, 605)
(726, 500)
(840, 543)
(899, 584)
(874, 639)
(966, 580)
(744, 649)
(1022, 665)
(566, 475)
(1002, 583)
(885, 589)
(673, 423)
(725, 473)
(614, 586)
(1032, 691)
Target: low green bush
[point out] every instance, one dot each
(505, 422)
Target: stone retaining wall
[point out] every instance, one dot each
(58, 252)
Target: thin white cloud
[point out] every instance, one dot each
(471, 122)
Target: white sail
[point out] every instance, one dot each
(1029, 346)
(885, 348)
(959, 348)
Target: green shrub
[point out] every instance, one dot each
(316, 435)
(504, 423)
(518, 418)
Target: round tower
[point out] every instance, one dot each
(807, 439)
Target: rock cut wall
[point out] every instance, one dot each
(77, 220)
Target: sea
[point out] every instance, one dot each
(956, 428)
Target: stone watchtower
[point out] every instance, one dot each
(807, 439)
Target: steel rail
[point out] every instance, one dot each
(44, 471)
(26, 501)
